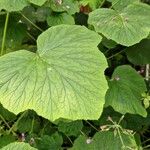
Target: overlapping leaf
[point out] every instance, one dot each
(139, 53)
(65, 78)
(13, 5)
(120, 4)
(105, 141)
(125, 89)
(18, 146)
(127, 27)
(92, 3)
(60, 18)
(69, 6)
(37, 2)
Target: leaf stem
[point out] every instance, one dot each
(31, 22)
(22, 115)
(4, 34)
(116, 54)
(91, 125)
(3, 119)
(147, 72)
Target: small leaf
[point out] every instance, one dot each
(139, 53)
(146, 103)
(60, 18)
(127, 27)
(6, 114)
(18, 146)
(92, 3)
(70, 128)
(52, 142)
(124, 95)
(64, 79)
(69, 6)
(6, 139)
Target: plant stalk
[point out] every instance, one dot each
(4, 34)
(147, 72)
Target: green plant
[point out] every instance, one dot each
(74, 74)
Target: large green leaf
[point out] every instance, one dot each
(18, 146)
(13, 5)
(127, 27)
(125, 89)
(120, 4)
(105, 141)
(139, 53)
(65, 78)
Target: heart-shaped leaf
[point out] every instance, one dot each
(64, 79)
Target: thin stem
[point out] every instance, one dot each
(32, 37)
(115, 54)
(146, 141)
(32, 126)
(122, 117)
(92, 126)
(31, 22)
(83, 133)
(4, 34)
(114, 4)
(69, 139)
(122, 142)
(102, 3)
(3, 119)
(148, 146)
(22, 115)
(147, 72)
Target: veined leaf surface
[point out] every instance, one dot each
(125, 89)
(64, 79)
(18, 146)
(127, 27)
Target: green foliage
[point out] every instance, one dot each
(53, 142)
(125, 89)
(17, 146)
(105, 140)
(74, 74)
(56, 74)
(120, 4)
(70, 128)
(92, 3)
(60, 18)
(142, 53)
(127, 27)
